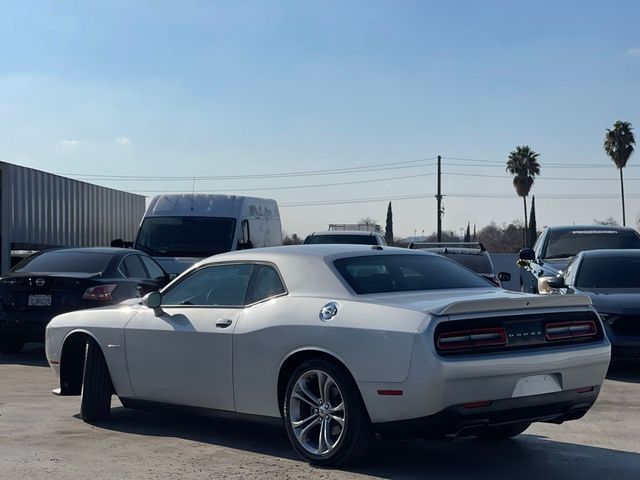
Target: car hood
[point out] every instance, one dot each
(617, 301)
(475, 300)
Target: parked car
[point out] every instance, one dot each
(339, 341)
(178, 230)
(472, 255)
(610, 278)
(52, 282)
(352, 237)
(557, 245)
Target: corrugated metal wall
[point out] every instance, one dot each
(40, 208)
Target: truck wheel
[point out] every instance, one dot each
(95, 403)
(11, 347)
(325, 418)
(503, 432)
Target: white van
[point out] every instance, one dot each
(179, 230)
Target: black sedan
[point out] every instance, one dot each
(611, 279)
(52, 282)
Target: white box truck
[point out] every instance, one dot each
(180, 230)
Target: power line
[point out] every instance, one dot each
(542, 164)
(566, 196)
(539, 178)
(292, 187)
(336, 171)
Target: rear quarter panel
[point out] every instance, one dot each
(374, 342)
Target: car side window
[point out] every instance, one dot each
(155, 270)
(221, 285)
(133, 267)
(266, 283)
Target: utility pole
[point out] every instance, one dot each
(439, 198)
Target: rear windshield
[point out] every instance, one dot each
(342, 239)
(564, 244)
(400, 273)
(477, 263)
(608, 272)
(65, 261)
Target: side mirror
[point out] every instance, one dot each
(527, 254)
(504, 276)
(550, 285)
(245, 245)
(153, 300)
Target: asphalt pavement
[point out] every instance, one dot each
(42, 437)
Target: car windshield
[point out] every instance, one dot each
(477, 263)
(185, 236)
(398, 273)
(65, 261)
(609, 272)
(342, 239)
(563, 244)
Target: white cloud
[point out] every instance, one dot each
(634, 51)
(122, 140)
(69, 143)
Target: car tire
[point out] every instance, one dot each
(11, 347)
(338, 431)
(95, 403)
(493, 434)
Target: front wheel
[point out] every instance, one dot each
(325, 418)
(95, 403)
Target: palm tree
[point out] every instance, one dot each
(523, 165)
(618, 143)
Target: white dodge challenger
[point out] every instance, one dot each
(340, 342)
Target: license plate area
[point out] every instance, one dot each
(537, 385)
(39, 301)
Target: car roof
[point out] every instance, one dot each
(569, 228)
(109, 250)
(455, 251)
(611, 252)
(297, 263)
(323, 251)
(363, 233)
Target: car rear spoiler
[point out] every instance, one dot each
(525, 303)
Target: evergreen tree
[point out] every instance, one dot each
(533, 227)
(388, 231)
(467, 235)
(475, 235)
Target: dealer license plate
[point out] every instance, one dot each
(537, 385)
(39, 300)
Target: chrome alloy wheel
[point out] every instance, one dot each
(317, 413)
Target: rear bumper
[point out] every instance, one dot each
(24, 326)
(461, 420)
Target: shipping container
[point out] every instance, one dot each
(41, 210)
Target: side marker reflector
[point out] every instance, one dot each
(477, 404)
(393, 393)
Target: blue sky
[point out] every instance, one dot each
(235, 88)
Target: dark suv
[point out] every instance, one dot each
(472, 255)
(556, 246)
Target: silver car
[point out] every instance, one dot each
(339, 342)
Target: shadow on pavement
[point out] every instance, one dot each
(526, 457)
(624, 372)
(32, 355)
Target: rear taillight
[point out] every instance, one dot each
(99, 292)
(569, 330)
(474, 338)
